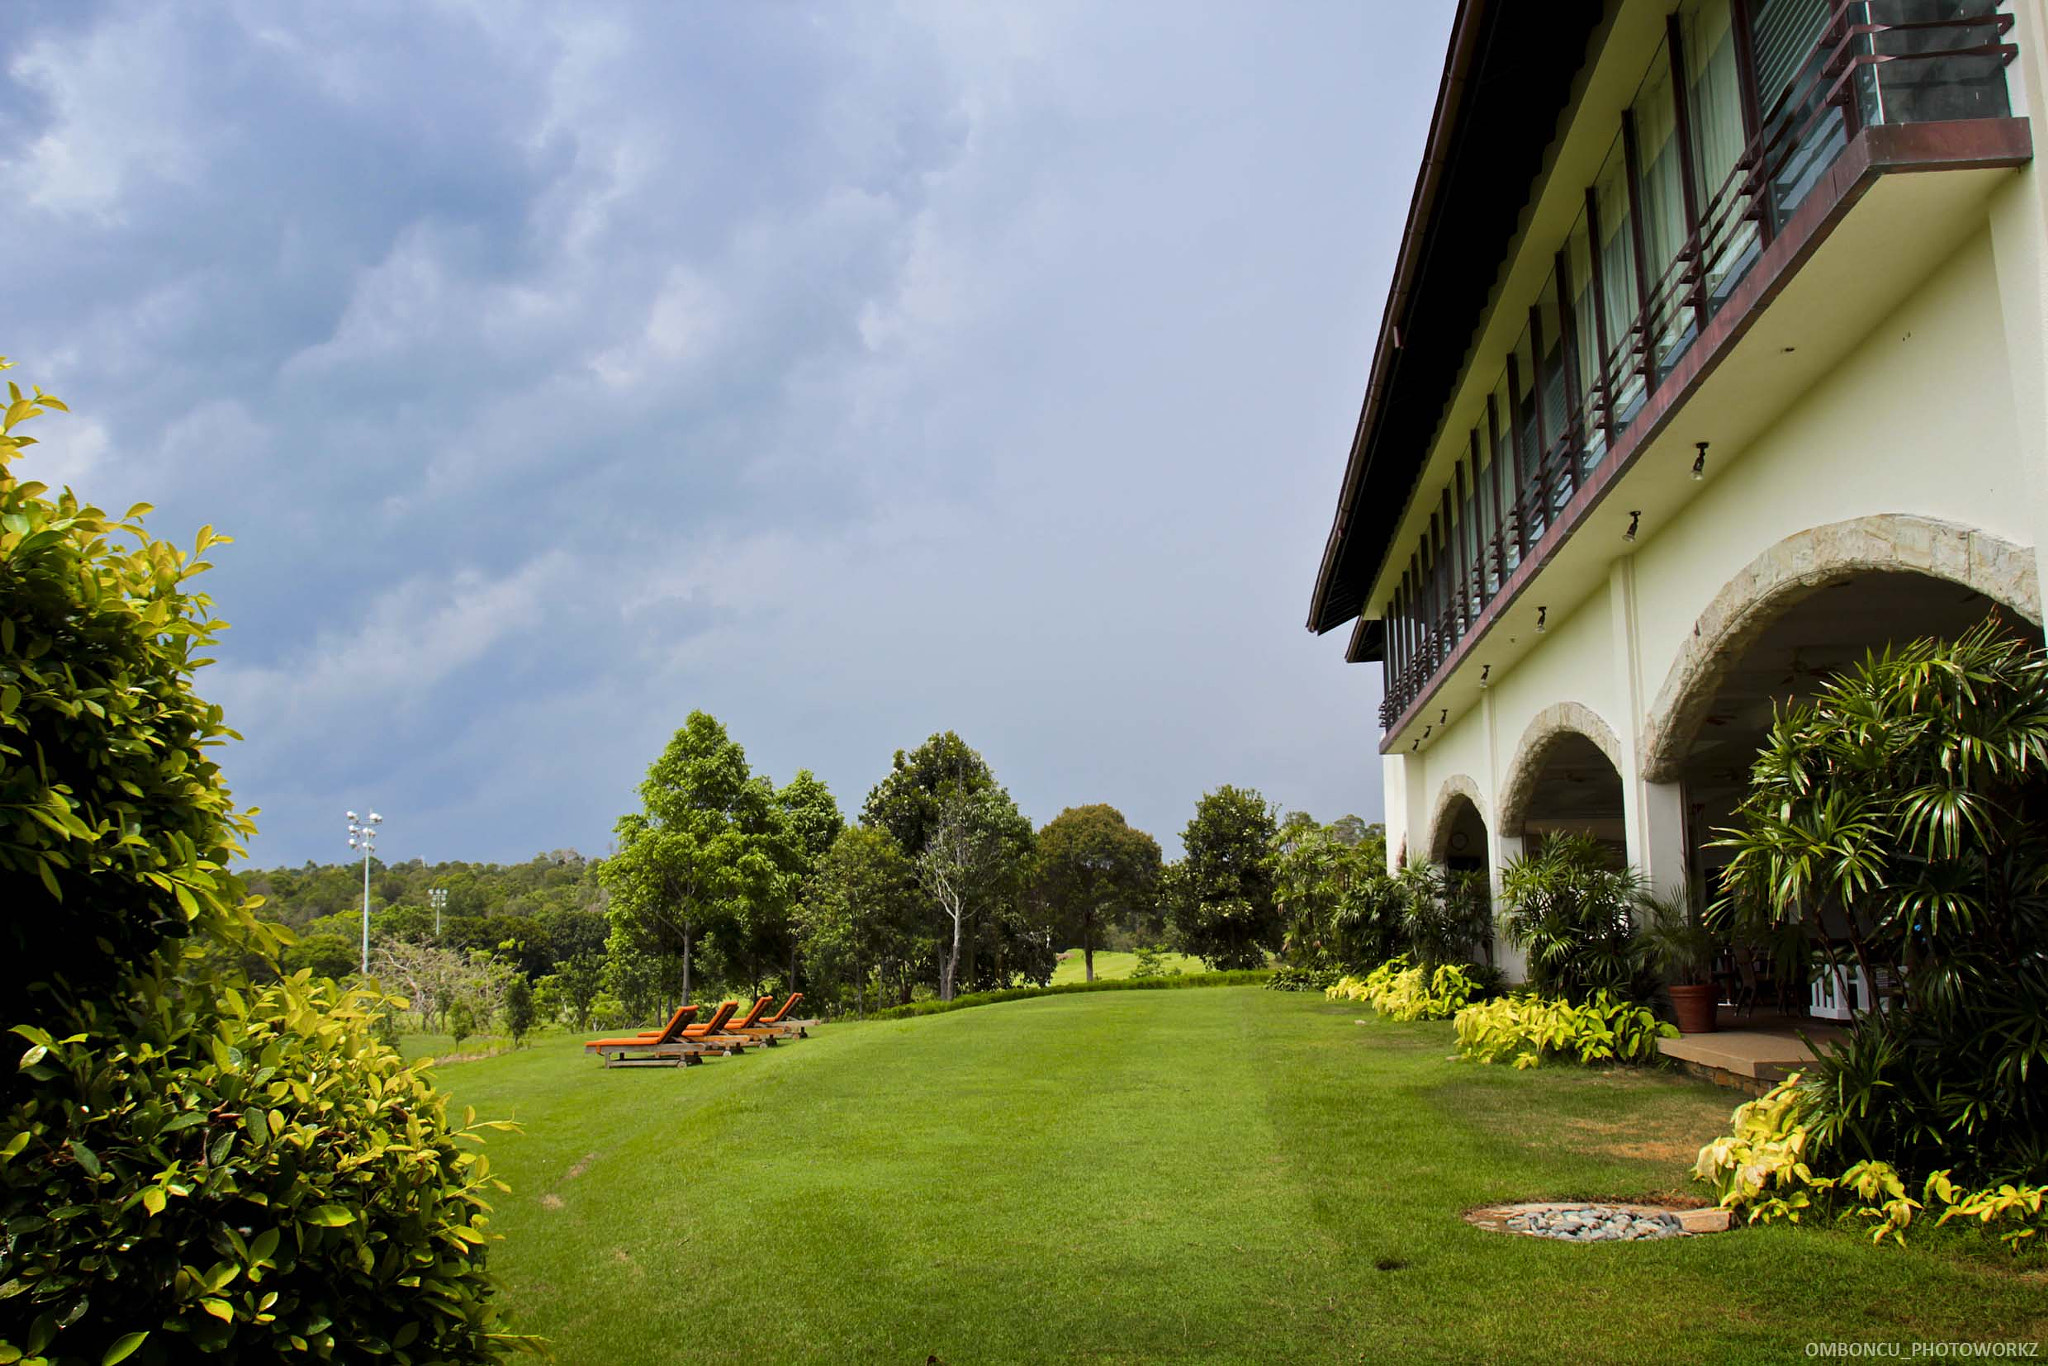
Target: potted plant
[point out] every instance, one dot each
(1677, 940)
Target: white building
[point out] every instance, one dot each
(1716, 354)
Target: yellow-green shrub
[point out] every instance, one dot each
(1401, 992)
(264, 1179)
(1530, 1030)
(1765, 1169)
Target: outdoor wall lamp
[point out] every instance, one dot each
(1635, 520)
(1484, 670)
(1541, 613)
(1699, 462)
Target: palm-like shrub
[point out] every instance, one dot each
(1571, 909)
(1901, 819)
(1444, 914)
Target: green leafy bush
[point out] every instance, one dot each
(1771, 1166)
(1531, 1030)
(188, 1164)
(1302, 979)
(1152, 962)
(1402, 992)
(253, 1179)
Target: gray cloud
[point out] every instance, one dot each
(850, 371)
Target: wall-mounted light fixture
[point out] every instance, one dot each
(1413, 745)
(1426, 730)
(1635, 520)
(1541, 613)
(1699, 462)
(1484, 670)
(1443, 716)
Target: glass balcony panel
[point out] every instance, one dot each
(1957, 85)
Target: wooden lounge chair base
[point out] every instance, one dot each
(656, 1055)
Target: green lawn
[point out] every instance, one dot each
(1222, 1175)
(1107, 965)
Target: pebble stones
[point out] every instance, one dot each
(1594, 1224)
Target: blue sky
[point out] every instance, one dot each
(849, 371)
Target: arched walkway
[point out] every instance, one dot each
(1795, 569)
(1561, 741)
(1458, 810)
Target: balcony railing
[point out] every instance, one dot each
(1748, 105)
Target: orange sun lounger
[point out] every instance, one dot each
(678, 1041)
(779, 1024)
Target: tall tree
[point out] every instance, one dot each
(706, 852)
(858, 920)
(1092, 867)
(1220, 895)
(1330, 883)
(970, 867)
(943, 787)
(811, 823)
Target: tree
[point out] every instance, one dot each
(1220, 894)
(518, 1009)
(985, 932)
(1091, 868)
(907, 802)
(970, 864)
(706, 852)
(858, 918)
(579, 979)
(461, 1023)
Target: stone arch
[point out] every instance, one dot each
(1453, 788)
(1801, 564)
(1545, 729)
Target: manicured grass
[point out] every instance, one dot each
(1108, 965)
(1222, 1175)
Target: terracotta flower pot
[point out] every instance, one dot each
(1694, 1007)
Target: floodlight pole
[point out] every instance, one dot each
(439, 896)
(362, 834)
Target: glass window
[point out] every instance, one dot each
(1660, 197)
(1528, 432)
(1585, 345)
(1499, 416)
(1619, 283)
(1801, 137)
(1714, 106)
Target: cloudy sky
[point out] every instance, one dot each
(849, 371)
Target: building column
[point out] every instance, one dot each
(1502, 850)
(1653, 814)
(1656, 832)
(1394, 803)
(2019, 226)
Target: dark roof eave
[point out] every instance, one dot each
(1509, 73)
(1407, 259)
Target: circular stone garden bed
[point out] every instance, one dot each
(1597, 1221)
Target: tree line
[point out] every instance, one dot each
(723, 881)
